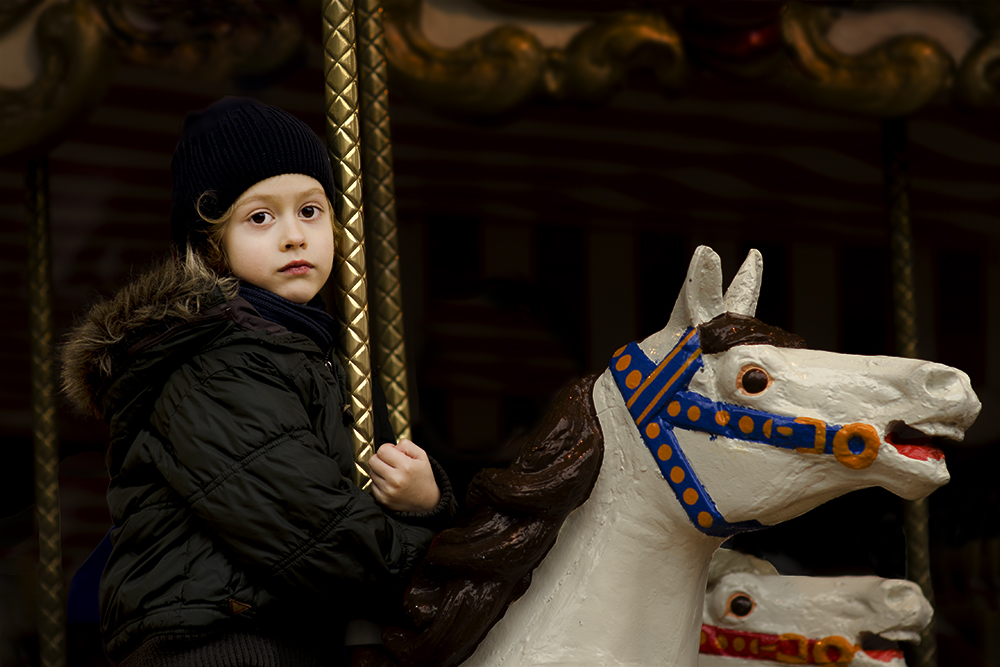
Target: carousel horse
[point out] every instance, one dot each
(593, 547)
(753, 614)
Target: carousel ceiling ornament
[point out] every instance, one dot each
(977, 81)
(892, 78)
(74, 63)
(509, 65)
(59, 57)
(880, 59)
(213, 40)
(12, 11)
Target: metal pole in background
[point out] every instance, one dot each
(51, 596)
(897, 182)
(916, 513)
(340, 86)
(380, 216)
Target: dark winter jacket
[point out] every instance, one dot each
(230, 473)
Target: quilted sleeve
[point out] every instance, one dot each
(243, 451)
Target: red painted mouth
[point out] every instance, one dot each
(881, 649)
(919, 447)
(887, 655)
(298, 267)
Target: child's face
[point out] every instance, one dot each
(280, 237)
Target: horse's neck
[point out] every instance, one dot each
(624, 583)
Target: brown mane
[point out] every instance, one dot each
(474, 571)
(731, 329)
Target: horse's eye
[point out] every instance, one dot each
(740, 605)
(753, 380)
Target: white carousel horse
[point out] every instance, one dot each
(714, 425)
(754, 616)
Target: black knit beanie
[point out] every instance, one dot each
(232, 145)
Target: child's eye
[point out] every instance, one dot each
(309, 211)
(260, 217)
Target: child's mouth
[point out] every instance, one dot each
(296, 268)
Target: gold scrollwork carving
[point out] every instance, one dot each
(979, 74)
(600, 56)
(212, 40)
(891, 79)
(508, 66)
(13, 11)
(76, 65)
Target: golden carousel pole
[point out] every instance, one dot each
(916, 513)
(380, 215)
(51, 597)
(340, 69)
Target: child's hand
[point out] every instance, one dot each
(402, 479)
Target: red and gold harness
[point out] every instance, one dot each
(787, 647)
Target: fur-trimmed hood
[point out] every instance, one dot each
(170, 294)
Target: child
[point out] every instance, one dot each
(239, 538)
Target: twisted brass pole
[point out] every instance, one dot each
(380, 216)
(340, 69)
(897, 182)
(916, 512)
(51, 600)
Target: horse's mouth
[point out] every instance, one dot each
(885, 647)
(915, 444)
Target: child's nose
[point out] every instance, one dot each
(294, 235)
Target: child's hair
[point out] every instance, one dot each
(207, 241)
(223, 151)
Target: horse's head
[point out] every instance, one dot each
(750, 428)
(857, 621)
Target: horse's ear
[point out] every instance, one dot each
(743, 292)
(700, 300)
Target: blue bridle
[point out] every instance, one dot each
(657, 398)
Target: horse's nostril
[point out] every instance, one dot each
(940, 381)
(902, 594)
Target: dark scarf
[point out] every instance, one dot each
(310, 319)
